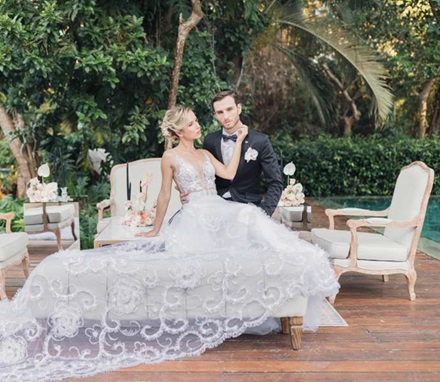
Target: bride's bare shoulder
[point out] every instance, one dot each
(206, 152)
(169, 156)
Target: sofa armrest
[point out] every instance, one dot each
(102, 206)
(378, 222)
(331, 213)
(8, 217)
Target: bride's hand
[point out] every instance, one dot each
(151, 233)
(242, 132)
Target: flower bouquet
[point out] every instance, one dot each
(137, 216)
(292, 195)
(38, 192)
(292, 198)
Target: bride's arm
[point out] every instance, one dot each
(229, 171)
(164, 195)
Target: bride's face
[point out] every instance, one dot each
(191, 129)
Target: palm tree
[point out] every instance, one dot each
(327, 64)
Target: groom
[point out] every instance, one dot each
(257, 157)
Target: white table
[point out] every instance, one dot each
(115, 232)
(294, 217)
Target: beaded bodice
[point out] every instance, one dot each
(195, 181)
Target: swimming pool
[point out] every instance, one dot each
(430, 242)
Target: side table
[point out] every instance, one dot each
(115, 232)
(298, 217)
(50, 217)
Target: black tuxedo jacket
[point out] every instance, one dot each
(245, 187)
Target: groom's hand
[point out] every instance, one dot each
(183, 196)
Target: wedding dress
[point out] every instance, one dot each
(85, 312)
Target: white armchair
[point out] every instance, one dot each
(393, 251)
(118, 194)
(13, 251)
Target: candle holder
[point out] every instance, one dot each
(64, 196)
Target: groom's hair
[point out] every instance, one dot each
(224, 94)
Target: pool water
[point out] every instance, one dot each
(431, 227)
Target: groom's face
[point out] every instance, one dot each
(227, 113)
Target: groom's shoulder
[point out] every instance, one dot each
(213, 135)
(211, 138)
(257, 135)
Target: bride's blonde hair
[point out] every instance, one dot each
(173, 122)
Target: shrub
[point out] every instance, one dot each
(357, 166)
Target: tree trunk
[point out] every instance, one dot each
(423, 108)
(348, 121)
(435, 119)
(23, 154)
(184, 29)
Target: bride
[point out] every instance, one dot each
(85, 312)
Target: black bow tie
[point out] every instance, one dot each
(229, 137)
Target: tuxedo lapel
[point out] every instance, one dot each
(217, 145)
(244, 147)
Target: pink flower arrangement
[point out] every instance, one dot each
(136, 213)
(39, 191)
(292, 195)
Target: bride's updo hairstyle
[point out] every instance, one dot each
(173, 122)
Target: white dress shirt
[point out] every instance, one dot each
(227, 148)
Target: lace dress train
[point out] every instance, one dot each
(218, 269)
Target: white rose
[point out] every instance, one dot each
(250, 154)
(289, 169)
(44, 170)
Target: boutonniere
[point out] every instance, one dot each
(250, 154)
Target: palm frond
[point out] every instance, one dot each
(364, 61)
(312, 82)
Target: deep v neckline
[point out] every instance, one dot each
(199, 171)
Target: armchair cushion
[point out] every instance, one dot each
(371, 246)
(102, 224)
(12, 244)
(55, 214)
(34, 228)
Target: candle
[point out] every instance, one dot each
(128, 184)
(140, 186)
(63, 176)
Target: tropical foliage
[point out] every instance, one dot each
(79, 75)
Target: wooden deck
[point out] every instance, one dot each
(389, 337)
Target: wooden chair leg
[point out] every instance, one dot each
(73, 229)
(58, 236)
(411, 277)
(25, 264)
(285, 325)
(295, 324)
(3, 284)
(385, 278)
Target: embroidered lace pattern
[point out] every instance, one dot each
(192, 181)
(218, 269)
